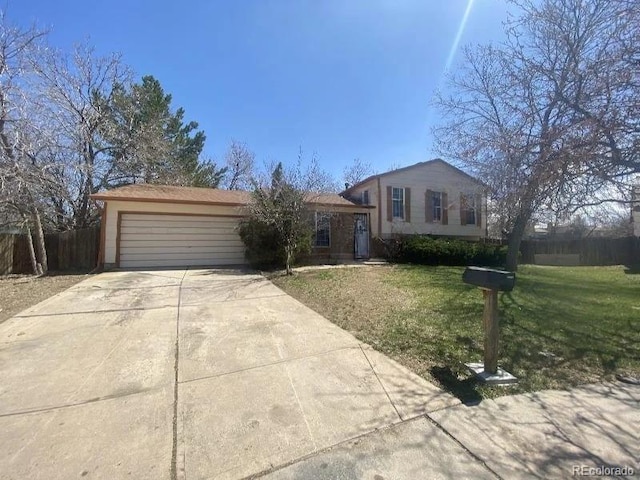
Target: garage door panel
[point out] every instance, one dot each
(150, 217)
(183, 222)
(156, 251)
(181, 256)
(182, 263)
(179, 235)
(132, 241)
(148, 240)
(163, 230)
(223, 225)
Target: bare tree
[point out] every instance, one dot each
(74, 88)
(281, 200)
(23, 145)
(544, 117)
(356, 172)
(240, 164)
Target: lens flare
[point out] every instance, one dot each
(456, 41)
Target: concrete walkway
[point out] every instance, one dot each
(193, 374)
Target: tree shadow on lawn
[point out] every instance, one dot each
(573, 334)
(633, 269)
(552, 336)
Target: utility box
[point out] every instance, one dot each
(489, 278)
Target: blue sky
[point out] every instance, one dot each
(339, 78)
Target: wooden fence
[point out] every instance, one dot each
(72, 250)
(591, 251)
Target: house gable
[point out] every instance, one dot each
(414, 189)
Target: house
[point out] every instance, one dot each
(428, 198)
(167, 226)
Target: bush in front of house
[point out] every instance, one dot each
(263, 245)
(427, 250)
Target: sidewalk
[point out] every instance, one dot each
(550, 434)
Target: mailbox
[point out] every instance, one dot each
(491, 282)
(489, 279)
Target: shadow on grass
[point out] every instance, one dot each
(632, 269)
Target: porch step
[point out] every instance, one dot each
(375, 261)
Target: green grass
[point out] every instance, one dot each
(560, 327)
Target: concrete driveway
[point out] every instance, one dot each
(206, 374)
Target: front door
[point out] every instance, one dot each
(361, 239)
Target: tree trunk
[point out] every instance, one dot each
(32, 253)
(288, 251)
(513, 247)
(39, 233)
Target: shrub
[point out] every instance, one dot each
(426, 250)
(388, 248)
(264, 245)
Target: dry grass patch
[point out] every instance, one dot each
(19, 292)
(359, 300)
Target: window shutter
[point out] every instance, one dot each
(407, 205)
(428, 206)
(479, 210)
(445, 208)
(389, 206)
(463, 208)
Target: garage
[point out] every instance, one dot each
(165, 240)
(155, 226)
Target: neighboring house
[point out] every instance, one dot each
(166, 226)
(430, 197)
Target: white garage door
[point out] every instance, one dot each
(148, 240)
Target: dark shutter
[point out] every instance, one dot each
(407, 204)
(389, 206)
(479, 210)
(428, 206)
(445, 208)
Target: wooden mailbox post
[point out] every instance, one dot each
(491, 282)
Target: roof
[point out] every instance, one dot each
(415, 165)
(205, 196)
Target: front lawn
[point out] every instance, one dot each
(560, 327)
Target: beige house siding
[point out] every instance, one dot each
(436, 176)
(114, 208)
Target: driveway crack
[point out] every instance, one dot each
(174, 448)
(381, 384)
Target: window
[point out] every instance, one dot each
(468, 210)
(436, 201)
(397, 202)
(365, 197)
(323, 230)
